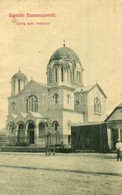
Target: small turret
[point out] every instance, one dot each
(18, 82)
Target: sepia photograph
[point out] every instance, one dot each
(61, 97)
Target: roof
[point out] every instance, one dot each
(87, 89)
(87, 124)
(23, 114)
(37, 115)
(119, 106)
(84, 88)
(19, 75)
(14, 115)
(65, 53)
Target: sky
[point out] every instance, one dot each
(92, 28)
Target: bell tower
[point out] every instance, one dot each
(18, 82)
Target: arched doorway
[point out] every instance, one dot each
(21, 133)
(11, 133)
(31, 133)
(42, 130)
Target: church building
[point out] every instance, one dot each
(36, 109)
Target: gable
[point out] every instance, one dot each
(88, 89)
(96, 92)
(97, 87)
(115, 115)
(11, 117)
(20, 117)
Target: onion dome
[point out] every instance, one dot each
(65, 53)
(19, 76)
(18, 82)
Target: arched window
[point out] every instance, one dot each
(56, 74)
(97, 106)
(50, 76)
(32, 104)
(73, 74)
(14, 84)
(78, 76)
(76, 99)
(62, 74)
(55, 124)
(13, 106)
(12, 127)
(55, 98)
(19, 87)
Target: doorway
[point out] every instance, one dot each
(31, 135)
(21, 134)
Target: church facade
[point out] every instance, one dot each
(36, 109)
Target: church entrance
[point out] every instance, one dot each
(42, 133)
(31, 133)
(21, 134)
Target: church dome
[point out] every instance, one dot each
(19, 76)
(18, 82)
(65, 53)
(64, 68)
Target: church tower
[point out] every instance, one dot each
(18, 82)
(64, 68)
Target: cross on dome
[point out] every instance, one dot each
(63, 43)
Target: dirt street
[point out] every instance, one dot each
(62, 174)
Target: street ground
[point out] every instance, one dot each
(62, 174)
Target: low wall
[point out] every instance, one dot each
(32, 149)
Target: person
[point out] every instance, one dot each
(118, 148)
(53, 147)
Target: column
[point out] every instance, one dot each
(109, 138)
(35, 135)
(26, 136)
(119, 134)
(16, 136)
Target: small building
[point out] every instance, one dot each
(100, 136)
(114, 126)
